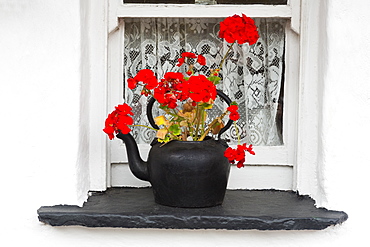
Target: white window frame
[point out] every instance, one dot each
(299, 152)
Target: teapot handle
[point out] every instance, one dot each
(219, 94)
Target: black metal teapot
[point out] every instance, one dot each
(183, 173)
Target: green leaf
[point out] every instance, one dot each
(215, 79)
(175, 129)
(178, 119)
(166, 139)
(163, 107)
(207, 106)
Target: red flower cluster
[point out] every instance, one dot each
(200, 58)
(169, 90)
(174, 87)
(238, 154)
(118, 121)
(145, 76)
(200, 89)
(238, 28)
(234, 114)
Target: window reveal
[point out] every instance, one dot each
(253, 76)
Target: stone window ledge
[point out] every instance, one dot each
(241, 210)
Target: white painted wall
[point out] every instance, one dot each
(41, 44)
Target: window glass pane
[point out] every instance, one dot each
(253, 76)
(268, 2)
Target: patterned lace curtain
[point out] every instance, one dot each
(252, 76)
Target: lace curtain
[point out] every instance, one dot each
(252, 75)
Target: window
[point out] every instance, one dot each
(274, 164)
(270, 2)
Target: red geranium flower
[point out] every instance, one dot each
(146, 76)
(229, 154)
(174, 77)
(110, 124)
(123, 121)
(232, 108)
(238, 154)
(169, 90)
(240, 29)
(124, 110)
(181, 61)
(200, 89)
(188, 54)
(234, 115)
(184, 55)
(201, 60)
(132, 83)
(118, 121)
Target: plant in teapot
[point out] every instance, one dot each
(185, 98)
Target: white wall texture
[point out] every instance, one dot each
(41, 66)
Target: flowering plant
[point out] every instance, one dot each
(185, 98)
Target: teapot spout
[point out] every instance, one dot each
(137, 166)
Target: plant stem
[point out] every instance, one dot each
(237, 132)
(226, 54)
(211, 125)
(198, 120)
(139, 125)
(175, 137)
(203, 121)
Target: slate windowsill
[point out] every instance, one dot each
(241, 210)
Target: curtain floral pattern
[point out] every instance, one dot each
(252, 76)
